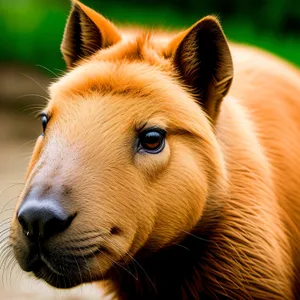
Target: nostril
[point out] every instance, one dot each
(23, 223)
(40, 220)
(115, 230)
(56, 225)
(29, 229)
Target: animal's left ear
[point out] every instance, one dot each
(202, 57)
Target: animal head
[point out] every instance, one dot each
(128, 155)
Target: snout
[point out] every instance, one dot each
(59, 245)
(41, 219)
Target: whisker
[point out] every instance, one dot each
(17, 277)
(5, 249)
(65, 283)
(10, 265)
(5, 222)
(34, 112)
(47, 69)
(89, 270)
(121, 255)
(5, 246)
(34, 95)
(9, 187)
(2, 232)
(8, 209)
(84, 257)
(135, 261)
(179, 245)
(62, 71)
(83, 239)
(80, 274)
(6, 255)
(202, 239)
(195, 236)
(5, 239)
(25, 154)
(100, 269)
(122, 267)
(26, 144)
(92, 249)
(35, 82)
(32, 107)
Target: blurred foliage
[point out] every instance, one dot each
(31, 30)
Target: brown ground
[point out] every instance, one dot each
(18, 129)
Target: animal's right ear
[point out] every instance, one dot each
(85, 33)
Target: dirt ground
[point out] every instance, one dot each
(18, 130)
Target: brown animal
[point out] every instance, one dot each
(153, 175)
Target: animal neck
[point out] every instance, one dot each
(177, 271)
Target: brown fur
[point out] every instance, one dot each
(215, 215)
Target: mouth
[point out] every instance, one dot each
(62, 271)
(69, 262)
(43, 271)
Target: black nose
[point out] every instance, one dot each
(43, 219)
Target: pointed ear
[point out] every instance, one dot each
(86, 32)
(202, 58)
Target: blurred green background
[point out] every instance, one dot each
(31, 33)
(31, 30)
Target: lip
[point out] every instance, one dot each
(42, 271)
(54, 261)
(50, 266)
(63, 276)
(57, 267)
(61, 271)
(41, 262)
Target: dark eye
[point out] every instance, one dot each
(44, 119)
(152, 141)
